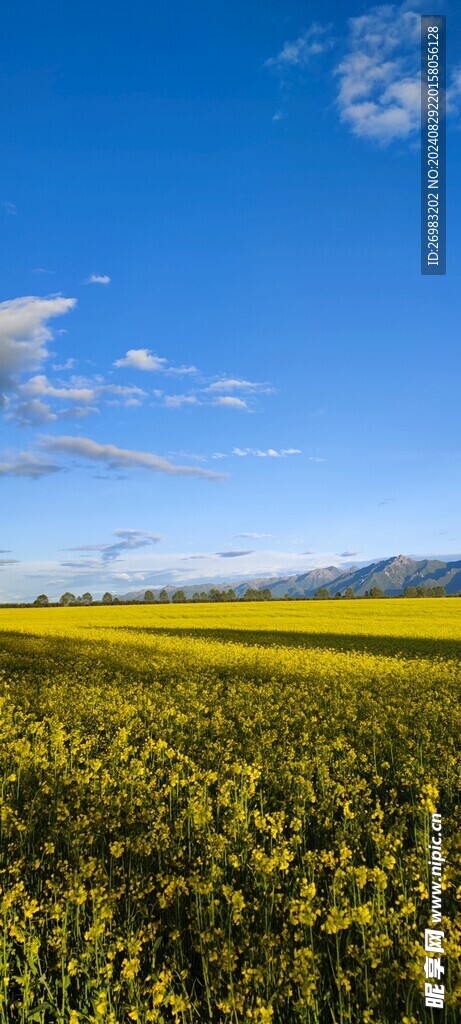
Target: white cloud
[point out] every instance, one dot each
(379, 72)
(98, 279)
(379, 77)
(24, 333)
(116, 458)
(32, 413)
(84, 392)
(176, 401)
(297, 53)
(230, 402)
(144, 359)
(40, 385)
(234, 384)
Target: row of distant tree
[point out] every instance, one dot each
(215, 595)
(178, 597)
(322, 593)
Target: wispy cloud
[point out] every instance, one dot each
(122, 394)
(67, 365)
(264, 453)
(8, 208)
(116, 458)
(348, 554)
(127, 540)
(235, 384)
(299, 52)
(269, 453)
(454, 90)
(77, 412)
(254, 536)
(177, 401)
(195, 456)
(27, 465)
(204, 392)
(233, 554)
(98, 279)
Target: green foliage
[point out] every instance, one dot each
(321, 594)
(257, 595)
(149, 597)
(423, 591)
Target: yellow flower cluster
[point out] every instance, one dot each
(219, 814)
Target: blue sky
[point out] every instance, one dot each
(217, 354)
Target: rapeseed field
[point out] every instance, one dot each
(220, 814)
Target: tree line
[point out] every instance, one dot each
(214, 595)
(322, 594)
(177, 597)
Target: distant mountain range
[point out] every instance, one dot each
(391, 575)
